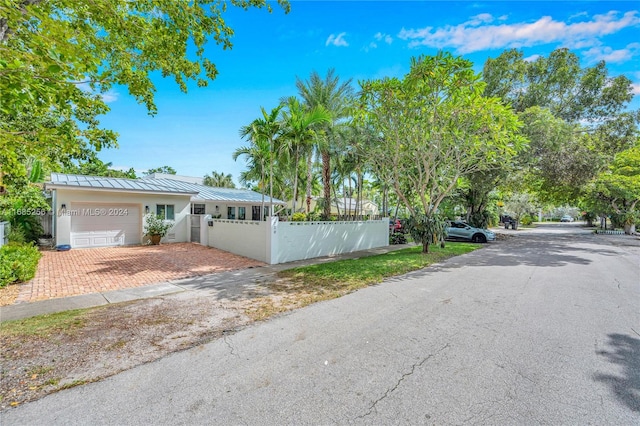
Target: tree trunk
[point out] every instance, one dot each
(630, 228)
(425, 247)
(262, 191)
(385, 197)
(295, 182)
(309, 176)
(326, 181)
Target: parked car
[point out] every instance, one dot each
(461, 231)
(566, 218)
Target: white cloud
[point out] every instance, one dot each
(483, 18)
(635, 88)
(337, 40)
(384, 37)
(479, 34)
(110, 96)
(607, 54)
(531, 58)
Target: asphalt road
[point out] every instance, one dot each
(539, 329)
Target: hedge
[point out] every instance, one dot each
(18, 263)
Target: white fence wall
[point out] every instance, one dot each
(244, 237)
(306, 240)
(4, 233)
(289, 241)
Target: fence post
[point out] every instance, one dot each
(4, 233)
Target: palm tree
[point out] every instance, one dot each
(257, 154)
(334, 96)
(298, 134)
(261, 131)
(218, 180)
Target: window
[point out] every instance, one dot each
(255, 212)
(242, 213)
(231, 212)
(197, 209)
(166, 211)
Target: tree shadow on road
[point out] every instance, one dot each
(531, 253)
(624, 352)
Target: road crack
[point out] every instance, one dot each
(229, 345)
(392, 389)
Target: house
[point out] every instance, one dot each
(95, 211)
(351, 206)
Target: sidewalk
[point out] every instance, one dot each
(229, 283)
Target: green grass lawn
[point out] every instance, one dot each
(46, 325)
(369, 270)
(309, 284)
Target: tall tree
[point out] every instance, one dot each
(618, 188)
(261, 131)
(335, 97)
(585, 124)
(58, 57)
(298, 135)
(435, 127)
(218, 180)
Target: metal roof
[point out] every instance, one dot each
(110, 183)
(172, 186)
(209, 193)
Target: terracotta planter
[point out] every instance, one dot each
(155, 239)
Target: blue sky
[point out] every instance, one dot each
(197, 132)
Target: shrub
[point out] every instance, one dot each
(29, 225)
(526, 220)
(298, 217)
(18, 263)
(397, 238)
(16, 235)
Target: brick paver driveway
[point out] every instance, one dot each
(82, 271)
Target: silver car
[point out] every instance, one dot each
(461, 231)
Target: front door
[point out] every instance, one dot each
(195, 228)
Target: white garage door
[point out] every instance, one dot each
(104, 225)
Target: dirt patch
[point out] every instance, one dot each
(100, 342)
(107, 340)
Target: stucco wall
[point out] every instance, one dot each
(306, 240)
(180, 231)
(289, 241)
(244, 237)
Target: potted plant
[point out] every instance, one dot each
(45, 240)
(156, 228)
